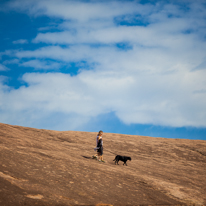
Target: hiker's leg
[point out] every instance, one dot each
(102, 153)
(94, 156)
(98, 155)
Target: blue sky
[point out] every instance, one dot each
(130, 67)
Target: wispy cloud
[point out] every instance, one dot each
(46, 65)
(3, 68)
(77, 10)
(20, 41)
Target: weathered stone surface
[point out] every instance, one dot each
(44, 167)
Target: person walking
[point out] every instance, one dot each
(99, 147)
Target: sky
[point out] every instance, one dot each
(126, 66)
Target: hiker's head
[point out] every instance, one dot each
(100, 133)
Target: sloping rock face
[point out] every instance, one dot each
(44, 167)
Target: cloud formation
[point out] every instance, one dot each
(3, 67)
(20, 41)
(144, 62)
(39, 65)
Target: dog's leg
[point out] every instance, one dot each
(125, 163)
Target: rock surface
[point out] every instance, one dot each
(45, 167)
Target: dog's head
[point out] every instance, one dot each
(129, 158)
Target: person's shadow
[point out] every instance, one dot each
(87, 157)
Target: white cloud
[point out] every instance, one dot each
(78, 10)
(11, 61)
(37, 64)
(156, 99)
(202, 65)
(3, 68)
(20, 41)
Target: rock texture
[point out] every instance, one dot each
(44, 167)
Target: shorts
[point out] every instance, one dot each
(100, 150)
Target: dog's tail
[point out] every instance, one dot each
(115, 159)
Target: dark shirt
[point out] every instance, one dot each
(99, 143)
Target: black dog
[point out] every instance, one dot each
(121, 158)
